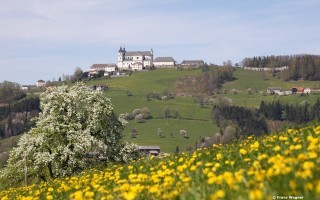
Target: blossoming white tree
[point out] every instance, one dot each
(74, 121)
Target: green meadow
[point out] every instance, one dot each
(191, 117)
(196, 120)
(259, 83)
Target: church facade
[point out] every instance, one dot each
(134, 60)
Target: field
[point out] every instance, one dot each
(191, 116)
(148, 133)
(141, 83)
(5, 146)
(283, 165)
(255, 80)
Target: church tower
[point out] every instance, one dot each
(121, 54)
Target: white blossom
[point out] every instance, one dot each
(73, 121)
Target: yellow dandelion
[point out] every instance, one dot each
(243, 151)
(277, 148)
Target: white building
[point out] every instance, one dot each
(307, 91)
(192, 63)
(41, 83)
(164, 62)
(25, 87)
(134, 60)
(266, 68)
(110, 68)
(274, 90)
(105, 68)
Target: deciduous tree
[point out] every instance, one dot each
(74, 121)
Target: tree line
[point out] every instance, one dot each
(236, 121)
(16, 109)
(246, 121)
(301, 113)
(306, 67)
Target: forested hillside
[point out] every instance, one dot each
(306, 67)
(16, 109)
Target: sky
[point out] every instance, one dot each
(46, 39)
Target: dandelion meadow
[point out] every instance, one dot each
(275, 166)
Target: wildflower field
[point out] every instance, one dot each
(275, 166)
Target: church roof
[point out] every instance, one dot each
(138, 53)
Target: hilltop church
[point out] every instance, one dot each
(134, 60)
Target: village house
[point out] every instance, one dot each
(274, 90)
(164, 62)
(192, 63)
(134, 60)
(150, 150)
(40, 83)
(25, 87)
(107, 69)
(299, 90)
(307, 91)
(315, 90)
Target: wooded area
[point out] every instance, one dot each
(208, 82)
(16, 109)
(305, 67)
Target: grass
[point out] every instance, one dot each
(277, 165)
(141, 83)
(5, 146)
(148, 133)
(252, 79)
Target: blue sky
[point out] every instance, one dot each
(44, 39)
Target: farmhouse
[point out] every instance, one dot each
(134, 60)
(150, 150)
(41, 83)
(274, 90)
(192, 63)
(307, 91)
(315, 90)
(164, 62)
(25, 87)
(105, 68)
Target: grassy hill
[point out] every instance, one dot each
(191, 115)
(141, 83)
(277, 165)
(259, 83)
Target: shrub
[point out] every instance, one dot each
(135, 112)
(139, 118)
(184, 133)
(146, 113)
(129, 152)
(229, 134)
